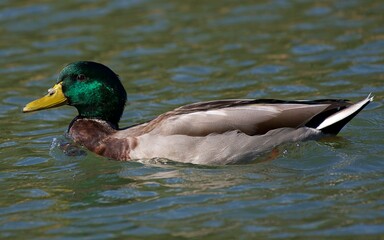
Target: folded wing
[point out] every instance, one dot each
(252, 117)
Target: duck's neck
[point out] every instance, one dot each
(112, 125)
(97, 136)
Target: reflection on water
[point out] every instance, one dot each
(170, 53)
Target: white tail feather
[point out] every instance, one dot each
(345, 113)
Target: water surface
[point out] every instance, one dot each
(170, 53)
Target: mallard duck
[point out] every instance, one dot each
(212, 132)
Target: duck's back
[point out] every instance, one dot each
(252, 117)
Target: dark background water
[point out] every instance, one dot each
(170, 53)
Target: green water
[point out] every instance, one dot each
(170, 53)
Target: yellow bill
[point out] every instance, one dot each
(54, 98)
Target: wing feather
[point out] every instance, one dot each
(251, 119)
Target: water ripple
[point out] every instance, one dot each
(311, 48)
(266, 69)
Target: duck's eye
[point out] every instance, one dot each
(81, 77)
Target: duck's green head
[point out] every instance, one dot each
(94, 89)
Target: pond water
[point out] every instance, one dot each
(170, 53)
